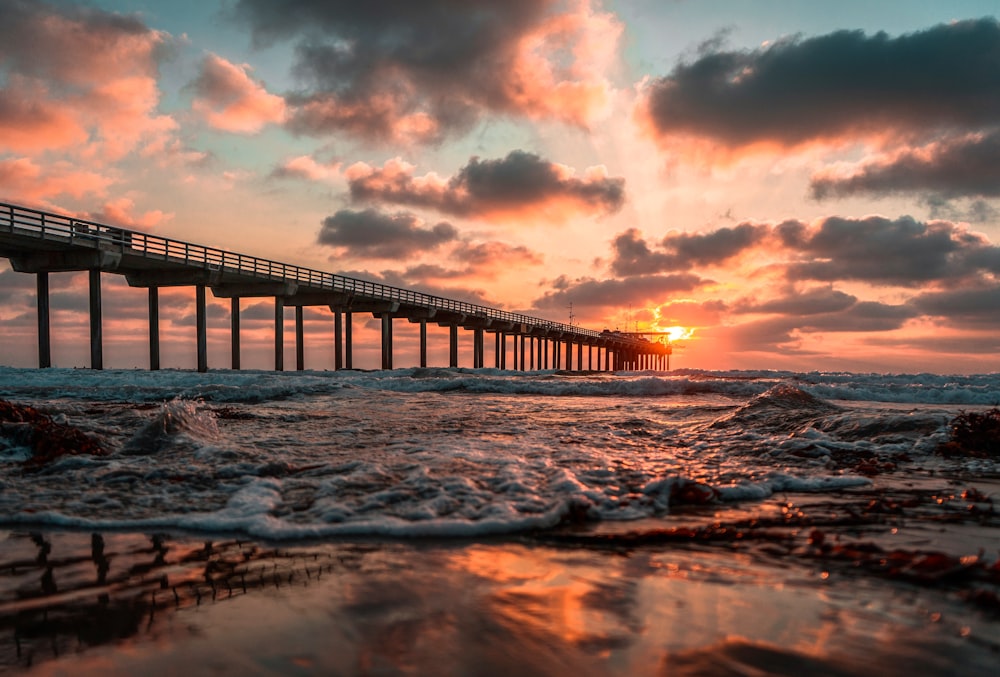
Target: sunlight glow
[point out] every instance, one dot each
(677, 333)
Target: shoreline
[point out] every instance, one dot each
(632, 598)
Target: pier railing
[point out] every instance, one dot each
(67, 230)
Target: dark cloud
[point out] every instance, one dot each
(809, 302)
(515, 183)
(973, 308)
(639, 290)
(374, 234)
(796, 89)
(390, 68)
(683, 251)
(878, 250)
(863, 316)
(29, 25)
(967, 166)
(632, 256)
(973, 211)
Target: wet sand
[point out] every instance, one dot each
(866, 582)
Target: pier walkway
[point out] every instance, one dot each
(41, 242)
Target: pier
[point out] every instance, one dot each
(38, 242)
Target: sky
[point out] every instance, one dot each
(780, 185)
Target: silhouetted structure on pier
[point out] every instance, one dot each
(41, 242)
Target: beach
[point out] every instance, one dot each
(486, 523)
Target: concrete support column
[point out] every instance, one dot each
(502, 342)
(338, 340)
(522, 351)
(513, 340)
(569, 356)
(453, 346)
(496, 351)
(348, 340)
(279, 333)
(300, 339)
(44, 335)
(154, 328)
(96, 328)
(201, 323)
(545, 354)
(478, 349)
(607, 358)
(386, 341)
(423, 343)
(234, 332)
(590, 358)
(579, 356)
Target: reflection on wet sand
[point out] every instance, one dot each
(75, 603)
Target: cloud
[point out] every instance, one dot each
(120, 212)
(616, 293)
(956, 167)
(971, 308)
(79, 76)
(306, 167)
(402, 71)
(374, 234)
(809, 302)
(689, 313)
(23, 179)
(481, 260)
(520, 184)
(878, 250)
(228, 99)
(797, 90)
(683, 251)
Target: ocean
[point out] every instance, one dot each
(460, 522)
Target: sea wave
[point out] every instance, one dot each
(263, 386)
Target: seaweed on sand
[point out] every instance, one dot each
(47, 439)
(975, 434)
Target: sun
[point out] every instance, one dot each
(678, 333)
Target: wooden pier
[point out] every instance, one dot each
(40, 243)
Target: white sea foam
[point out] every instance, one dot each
(451, 452)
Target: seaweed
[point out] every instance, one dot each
(974, 434)
(47, 439)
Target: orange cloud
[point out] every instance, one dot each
(228, 99)
(97, 90)
(306, 167)
(119, 212)
(22, 179)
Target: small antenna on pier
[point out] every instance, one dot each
(571, 315)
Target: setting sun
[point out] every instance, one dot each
(677, 333)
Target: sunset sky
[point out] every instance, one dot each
(799, 185)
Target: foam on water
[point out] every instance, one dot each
(451, 453)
